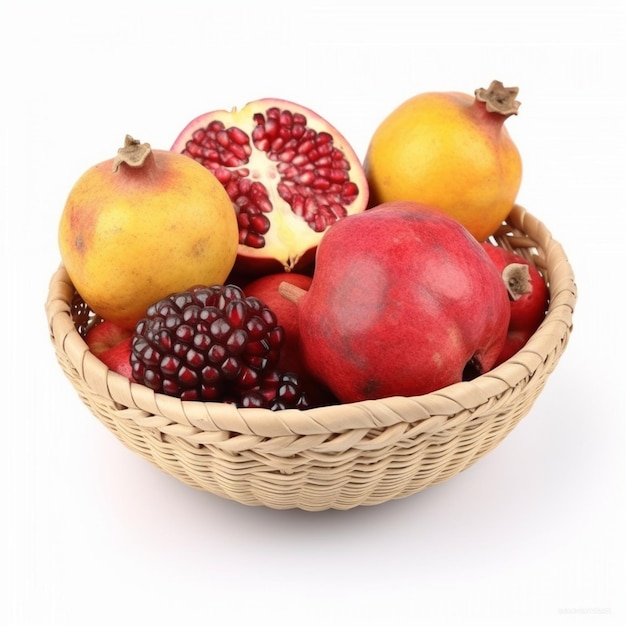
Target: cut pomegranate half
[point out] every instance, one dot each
(288, 172)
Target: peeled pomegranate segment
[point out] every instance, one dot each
(289, 173)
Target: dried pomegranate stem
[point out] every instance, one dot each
(499, 99)
(290, 291)
(133, 153)
(516, 278)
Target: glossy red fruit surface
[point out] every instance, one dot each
(528, 296)
(403, 301)
(111, 344)
(117, 358)
(289, 173)
(105, 335)
(266, 288)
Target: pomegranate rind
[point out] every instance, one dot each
(299, 180)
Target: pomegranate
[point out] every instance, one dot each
(528, 297)
(288, 172)
(117, 358)
(141, 225)
(403, 301)
(214, 343)
(112, 345)
(452, 151)
(267, 289)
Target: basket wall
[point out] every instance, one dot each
(340, 456)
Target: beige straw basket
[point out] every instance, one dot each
(334, 457)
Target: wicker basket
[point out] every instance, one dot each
(335, 457)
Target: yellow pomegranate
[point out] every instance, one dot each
(450, 150)
(145, 224)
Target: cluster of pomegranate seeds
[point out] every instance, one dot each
(214, 344)
(313, 173)
(278, 390)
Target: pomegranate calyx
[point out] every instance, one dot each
(291, 292)
(516, 277)
(499, 99)
(133, 153)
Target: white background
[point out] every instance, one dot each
(92, 534)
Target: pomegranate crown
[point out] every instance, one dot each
(498, 98)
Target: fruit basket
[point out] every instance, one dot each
(332, 457)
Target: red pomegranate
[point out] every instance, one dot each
(403, 301)
(112, 345)
(267, 289)
(528, 297)
(288, 172)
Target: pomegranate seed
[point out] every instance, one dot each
(260, 224)
(187, 377)
(254, 240)
(239, 137)
(284, 192)
(170, 365)
(350, 190)
(338, 210)
(286, 156)
(305, 147)
(223, 174)
(239, 152)
(195, 359)
(277, 144)
(286, 118)
(210, 376)
(222, 138)
(306, 178)
(311, 208)
(320, 184)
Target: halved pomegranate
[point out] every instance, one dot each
(289, 173)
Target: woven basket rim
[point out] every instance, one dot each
(521, 231)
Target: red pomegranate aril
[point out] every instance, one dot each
(216, 353)
(240, 138)
(195, 359)
(170, 365)
(236, 313)
(184, 333)
(259, 223)
(172, 389)
(256, 328)
(247, 378)
(220, 329)
(210, 376)
(187, 376)
(223, 175)
(230, 368)
(306, 178)
(152, 379)
(252, 240)
(321, 183)
(237, 341)
(286, 156)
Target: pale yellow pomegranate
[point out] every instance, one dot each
(452, 151)
(143, 225)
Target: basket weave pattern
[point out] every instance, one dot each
(339, 456)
